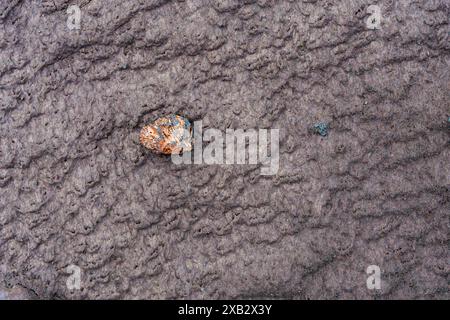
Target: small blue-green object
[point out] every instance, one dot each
(321, 128)
(448, 119)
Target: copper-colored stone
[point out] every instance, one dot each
(167, 135)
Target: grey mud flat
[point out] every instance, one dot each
(77, 188)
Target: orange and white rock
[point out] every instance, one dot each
(168, 135)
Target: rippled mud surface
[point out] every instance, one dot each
(77, 188)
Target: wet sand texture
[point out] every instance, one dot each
(76, 187)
